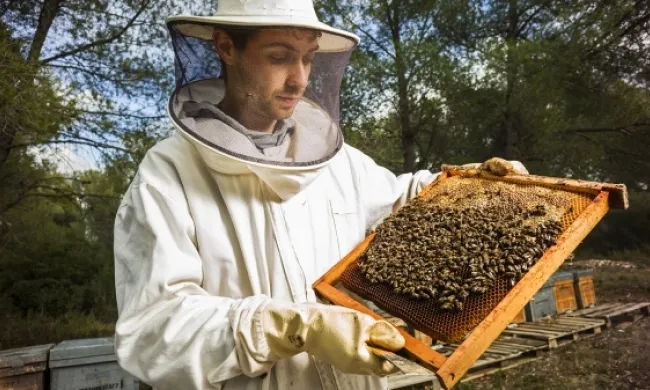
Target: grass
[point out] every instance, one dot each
(37, 329)
(639, 257)
(622, 285)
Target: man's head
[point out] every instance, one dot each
(267, 71)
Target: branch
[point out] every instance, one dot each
(425, 28)
(46, 18)
(81, 141)
(63, 193)
(99, 42)
(620, 129)
(24, 193)
(122, 115)
(608, 147)
(92, 73)
(609, 39)
(523, 26)
(65, 10)
(367, 34)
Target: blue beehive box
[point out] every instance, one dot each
(543, 303)
(88, 364)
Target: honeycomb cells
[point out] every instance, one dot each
(444, 260)
(431, 252)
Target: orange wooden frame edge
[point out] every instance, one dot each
(451, 369)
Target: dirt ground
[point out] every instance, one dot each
(618, 358)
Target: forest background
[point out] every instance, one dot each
(561, 86)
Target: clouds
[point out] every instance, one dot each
(66, 159)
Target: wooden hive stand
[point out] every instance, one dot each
(450, 369)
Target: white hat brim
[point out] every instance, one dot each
(202, 26)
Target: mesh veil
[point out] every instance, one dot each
(196, 59)
(197, 64)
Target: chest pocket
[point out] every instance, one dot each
(348, 225)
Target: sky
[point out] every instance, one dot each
(67, 159)
(74, 158)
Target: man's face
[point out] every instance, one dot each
(270, 75)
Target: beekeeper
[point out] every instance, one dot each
(229, 221)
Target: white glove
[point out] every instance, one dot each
(334, 334)
(500, 167)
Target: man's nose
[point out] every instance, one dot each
(299, 76)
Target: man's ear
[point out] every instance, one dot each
(224, 46)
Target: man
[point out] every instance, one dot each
(228, 222)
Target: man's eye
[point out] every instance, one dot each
(279, 58)
(308, 60)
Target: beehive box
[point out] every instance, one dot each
(560, 213)
(565, 296)
(24, 368)
(584, 288)
(542, 304)
(88, 364)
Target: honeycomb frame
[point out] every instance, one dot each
(450, 370)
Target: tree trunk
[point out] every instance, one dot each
(509, 129)
(408, 133)
(48, 13)
(7, 136)
(45, 20)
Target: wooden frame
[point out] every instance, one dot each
(451, 369)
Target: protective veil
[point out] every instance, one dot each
(221, 235)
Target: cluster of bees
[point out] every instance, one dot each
(427, 251)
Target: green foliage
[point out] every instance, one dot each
(561, 86)
(37, 329)
(56, 228)
(50, 267)
(627, 231)
(553, 84)
(30, 105)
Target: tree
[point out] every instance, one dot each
(31, 112)
(85, 73)
(395, 72)
(563, 79)
(109, 61)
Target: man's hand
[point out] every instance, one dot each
(500, 167)
(336, 335)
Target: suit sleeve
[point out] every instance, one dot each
(170, 332)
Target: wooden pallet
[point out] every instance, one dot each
(557, 331)
(615, 313)
(505, 352)
(402, 381)
(522, 343)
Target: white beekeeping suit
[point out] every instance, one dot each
(221, 235)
